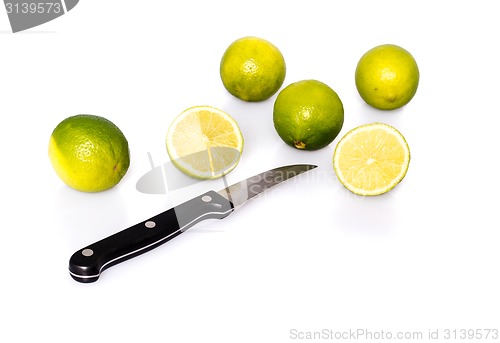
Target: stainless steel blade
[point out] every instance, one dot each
(242, 191)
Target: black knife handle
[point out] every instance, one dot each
(87, 264)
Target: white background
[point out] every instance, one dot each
(308, 255)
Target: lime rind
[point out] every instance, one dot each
(89, 153)
(387, 77)
(308, 115)
(252, 69)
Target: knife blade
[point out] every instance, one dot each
(87, 264)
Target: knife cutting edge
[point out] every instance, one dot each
(87, 264)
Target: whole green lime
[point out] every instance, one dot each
(252, 69)
(89, 153)
(387, 77)
(308, 115)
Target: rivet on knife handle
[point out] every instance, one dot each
(87, 264)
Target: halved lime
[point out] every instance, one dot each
(371, 159)
(204, 142)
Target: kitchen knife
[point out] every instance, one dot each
(87, 264)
